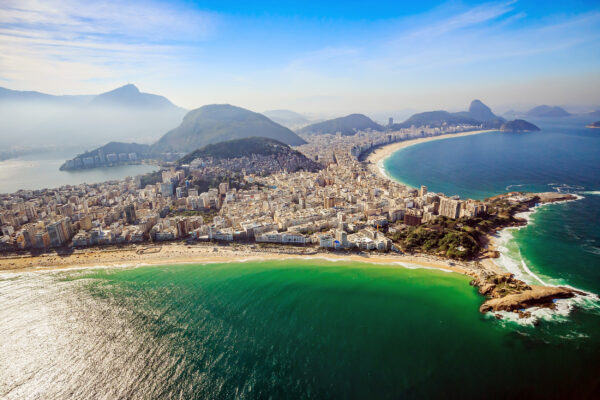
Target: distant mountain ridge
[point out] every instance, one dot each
(9, 95)
(547, 112)
(347, 125)
(286, 117)
(124, 114)
(478, 114)
(125, 96)
(220, 122)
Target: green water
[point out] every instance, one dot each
(299, 329)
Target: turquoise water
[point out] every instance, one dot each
(293, 329)
(562, 243)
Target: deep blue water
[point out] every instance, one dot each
(562, 243)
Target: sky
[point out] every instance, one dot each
(323, 58)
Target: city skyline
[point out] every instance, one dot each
(332, 59)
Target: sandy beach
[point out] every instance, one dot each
(377, 157)
(176, 253)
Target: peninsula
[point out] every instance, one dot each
(317, 200)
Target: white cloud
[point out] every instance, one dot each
(66, 44)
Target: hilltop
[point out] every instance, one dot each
(130, 96)
(30, 96)
(480, 112)
(271, 155)
(245, 147)
(347, 125)
(221, 122)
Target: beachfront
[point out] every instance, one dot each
(202, 253)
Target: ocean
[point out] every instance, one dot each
(324, 329)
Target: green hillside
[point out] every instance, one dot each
(221, 122)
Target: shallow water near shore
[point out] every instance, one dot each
(294, 328)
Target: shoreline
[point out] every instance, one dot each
(201, 253)
(492, 273)
(376, 158)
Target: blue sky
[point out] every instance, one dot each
(315, 57)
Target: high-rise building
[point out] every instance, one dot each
(56, 234)
(449, 208)
(85, 222)
(130, 214)
(223, 187)
(329, 202)
(423, 191)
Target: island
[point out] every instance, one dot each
(518, 125)
(594, 125)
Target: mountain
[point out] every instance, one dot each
(286, 118)
(220, 122)
(255, 155)
(547, 112)
(478, 115)
(245, 147)
(347, 125)
(124, 115)
(436, 119)
(480, 112)
(518, 125)
(130, 96)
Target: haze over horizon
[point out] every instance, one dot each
(332, 58)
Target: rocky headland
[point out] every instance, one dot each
(507, 293)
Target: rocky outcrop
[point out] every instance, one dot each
(536, 296)
(509, 294)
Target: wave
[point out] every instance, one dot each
(592, 192)
(564, 187)
(382, 169)
(560, 314)
(508, 188)
(512, 260)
